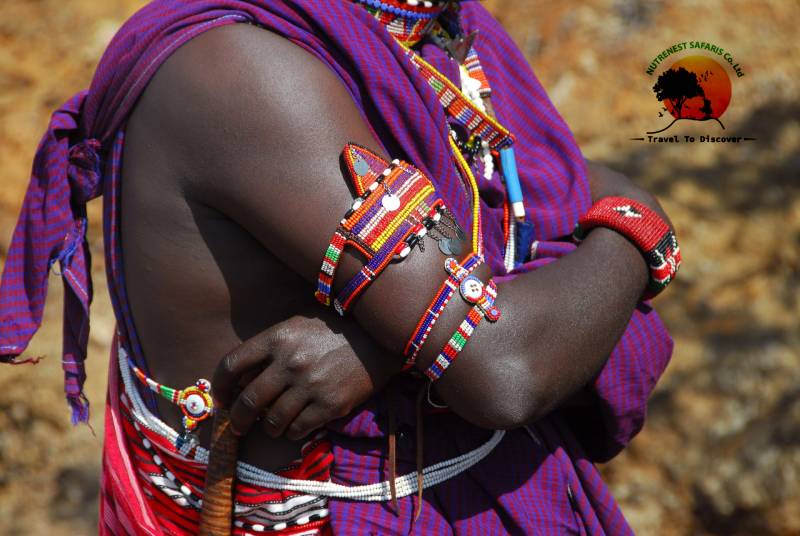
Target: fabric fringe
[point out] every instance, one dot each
(13, 361)
(79, 405)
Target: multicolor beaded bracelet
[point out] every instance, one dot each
(394, 210)
(456, 273)
(642, 226)
(483, 298)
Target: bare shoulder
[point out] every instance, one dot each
(239, 88)
(253, 126)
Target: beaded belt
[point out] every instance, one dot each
(405, 485)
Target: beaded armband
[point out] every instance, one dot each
(456, 273)
(483, 298)
(395, 208)
(642, 226)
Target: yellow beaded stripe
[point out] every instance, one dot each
(421, 64)
(477, 238)
(412, 205)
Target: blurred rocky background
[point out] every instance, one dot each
(720, 454)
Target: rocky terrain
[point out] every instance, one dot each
(720, 454)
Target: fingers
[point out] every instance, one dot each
(253, 353)
(311, 418)
(279, 415)
(258, 395)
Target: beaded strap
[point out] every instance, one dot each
(642, 226)
(483, 308)
(390, 251)
(456, 272)
(460, 108)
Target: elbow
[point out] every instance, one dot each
(508, 412)
(509, 396)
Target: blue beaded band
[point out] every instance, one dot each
(383, 6)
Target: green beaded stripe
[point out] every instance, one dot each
(459, 339)
(332, 253)
(438, 85)
(167, 392)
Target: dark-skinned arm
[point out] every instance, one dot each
(260, 125)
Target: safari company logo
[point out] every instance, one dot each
(697, 86)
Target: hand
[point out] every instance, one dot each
(605, 182)
(301, 374)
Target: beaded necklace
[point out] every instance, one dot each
(469, 106)
(408, 21)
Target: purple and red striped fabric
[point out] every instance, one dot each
(539, 480)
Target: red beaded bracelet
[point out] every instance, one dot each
(642, 226)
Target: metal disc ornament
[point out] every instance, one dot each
(360, 166)
(444, 246)
(455, 246)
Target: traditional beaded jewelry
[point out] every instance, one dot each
(382, 227)
(405, 485)
(470, 109)
(476, 88)
(456, 272)
(407, 21)
(195, 401)
(461, 108)
(483, 298)
(356, 286)
(642, 226)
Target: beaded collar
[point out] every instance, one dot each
(407, 20)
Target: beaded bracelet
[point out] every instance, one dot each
(456, 272)
(642, 226)
(382, 227)
(483, 298)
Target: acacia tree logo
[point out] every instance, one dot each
(695, 88)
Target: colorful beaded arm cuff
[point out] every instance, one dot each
(456, 272)
(642, 226)
(483, 297)
(394, 210)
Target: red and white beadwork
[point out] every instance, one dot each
(642, 226)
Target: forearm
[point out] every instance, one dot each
(559, 325)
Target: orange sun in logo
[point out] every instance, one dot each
(706, 89)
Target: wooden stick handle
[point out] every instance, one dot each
(216, 518)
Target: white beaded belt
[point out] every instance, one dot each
(405, 484)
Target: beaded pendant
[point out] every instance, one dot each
(195, 401)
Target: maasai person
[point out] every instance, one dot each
(218, 147)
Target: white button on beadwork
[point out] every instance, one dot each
(390, 202)
(195, 405)
(471, 289)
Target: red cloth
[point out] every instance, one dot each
(129, 466)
